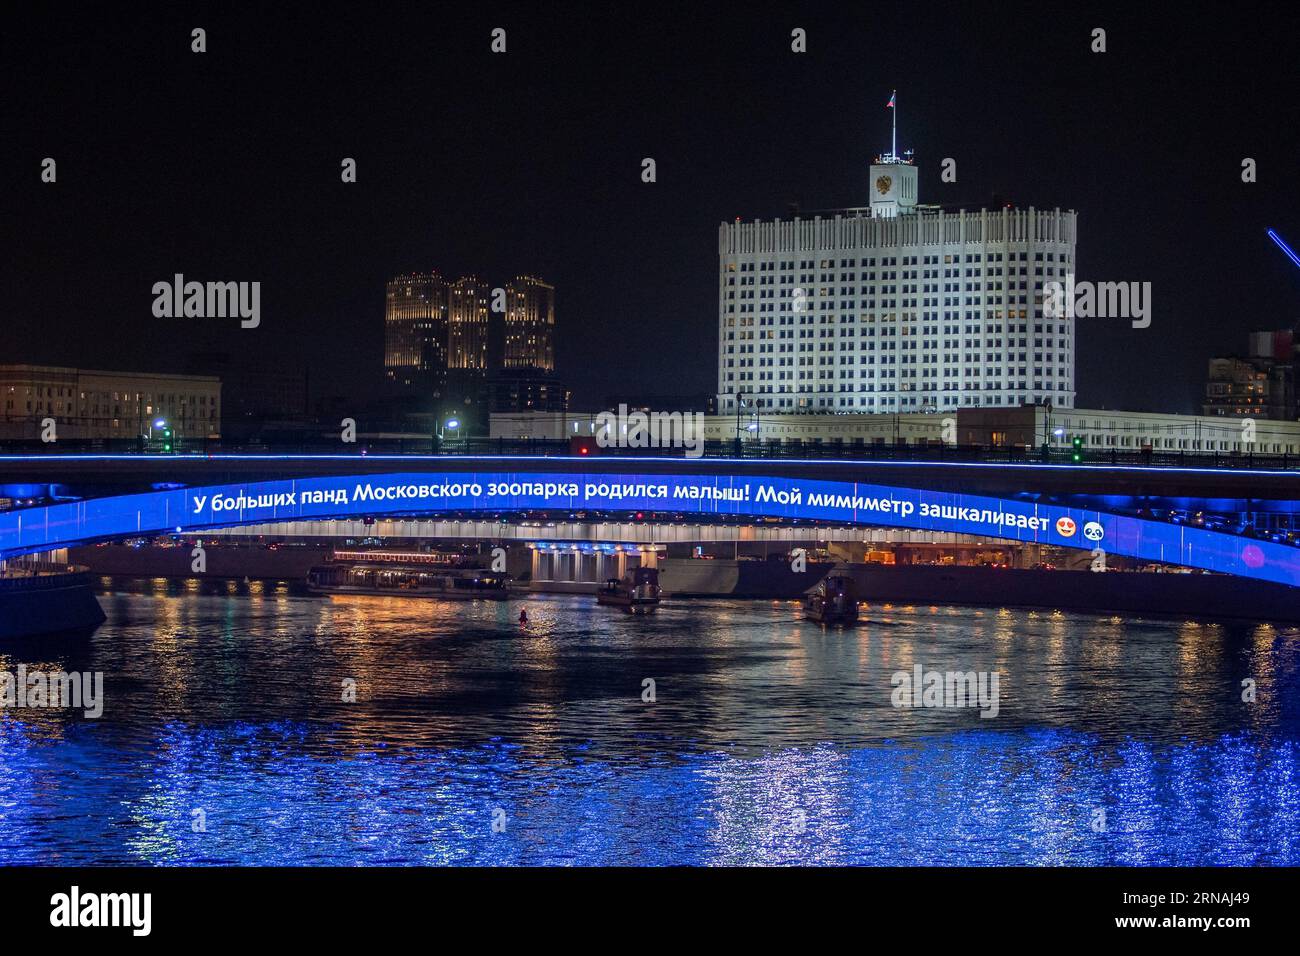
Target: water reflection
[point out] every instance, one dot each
(769, 741)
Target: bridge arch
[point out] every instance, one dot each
(196, 509)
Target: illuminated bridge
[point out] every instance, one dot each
(1236, 522)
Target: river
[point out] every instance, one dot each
(229, 736)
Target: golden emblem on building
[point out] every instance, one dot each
(883, 184)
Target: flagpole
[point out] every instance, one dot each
(893, 142)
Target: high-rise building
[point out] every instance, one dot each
(894, 307)
(415, 332)
(1260, 385)
(467, 324)
(530, 324)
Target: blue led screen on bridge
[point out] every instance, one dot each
(197, 509)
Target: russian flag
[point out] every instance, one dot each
(890, 104)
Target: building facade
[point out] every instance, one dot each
(1027, 427)
(525, 390)
(87, 404)
(467, 324)
(463, 348)
(415, 332)
(530, 325)
(895, 307)
(1261, 385)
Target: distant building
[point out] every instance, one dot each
(88, 404)
(446, 348)
(415, 332)
(530, 325)
(467, 324)
(1262, 384)
(1026, 427)
(526, 390)
(895, 306)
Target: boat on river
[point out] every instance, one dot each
(637, 592)
(395, 574)
(834, 600)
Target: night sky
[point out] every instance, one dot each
(225, 166)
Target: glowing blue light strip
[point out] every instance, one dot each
(745, 496)
(1284, 247)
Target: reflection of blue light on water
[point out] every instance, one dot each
(969, 798)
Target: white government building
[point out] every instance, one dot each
(899, 323)
(894, 307)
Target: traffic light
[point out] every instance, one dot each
(1076, 454)
(167, 439)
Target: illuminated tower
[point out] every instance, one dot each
(415, 332)
(530, 324)
(467, 324)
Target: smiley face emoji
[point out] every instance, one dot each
(1066, 527)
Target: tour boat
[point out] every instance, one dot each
(834, 600)
(636, 593)
(388, 578)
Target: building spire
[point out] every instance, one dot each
(893, 142)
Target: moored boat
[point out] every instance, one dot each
(834, 600)
(44, 599)
(636, 593)
(389, 576)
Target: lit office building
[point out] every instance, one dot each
(467, 324)
(894, 307)
(530, 324)
(415, 331)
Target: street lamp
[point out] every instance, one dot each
(161, 425)
(450, 425)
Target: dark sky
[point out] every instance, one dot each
(225, 166)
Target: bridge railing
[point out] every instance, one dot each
(744, 449)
